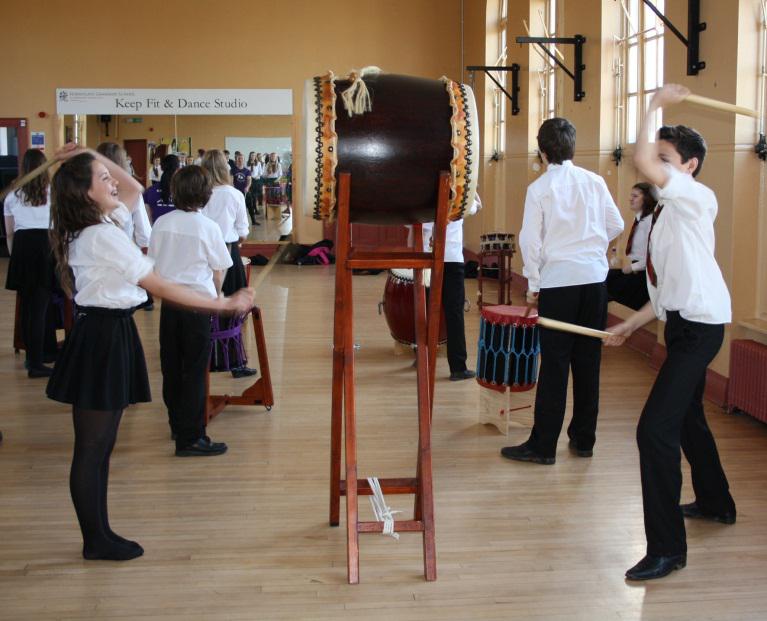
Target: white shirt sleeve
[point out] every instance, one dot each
(218, 256)
(685, 193)
(122, 216)
(113, 249)
(241, 216)
(613, 218)
(531, 241)
(142, 229)
(11, 201)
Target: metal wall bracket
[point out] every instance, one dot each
(692, 40)
(514, 96)
(761, 147)
(577, 41)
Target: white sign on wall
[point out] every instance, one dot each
(145, 101)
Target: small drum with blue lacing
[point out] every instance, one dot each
(508, 348)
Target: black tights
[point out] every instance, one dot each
(95, 435)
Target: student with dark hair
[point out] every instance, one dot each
(568, 221)
(158, 197)
(686, 290)
(188, 249)
(31, 268)
(628, 285)
(102, 368)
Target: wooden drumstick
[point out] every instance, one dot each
(571, 327)
(268, 267)
(31, 175)
(720, 105)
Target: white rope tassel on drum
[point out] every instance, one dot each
(382, 512)
(356, 98)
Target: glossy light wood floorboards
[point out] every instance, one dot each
(245, 536)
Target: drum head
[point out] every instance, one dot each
(509, 315)
(407, 275)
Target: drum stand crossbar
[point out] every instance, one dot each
(343, 409)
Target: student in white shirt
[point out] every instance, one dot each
(628, 285)
(102, 368)
(155, 173)
(31, 268)
(687, 290)
(226, 208)
(135, 220)
(569, 219)
(188, 249)
(454, 293)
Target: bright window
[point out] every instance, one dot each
(499, 97)
(643, 37)
(549, 78)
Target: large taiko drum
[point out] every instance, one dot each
(394, 134)
(399, 306)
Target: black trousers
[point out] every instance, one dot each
(453, 296)
(34, 323)
(672, 418)
(561, 352)
(184, 357)
(628, 289)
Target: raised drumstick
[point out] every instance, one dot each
(33, 174)
(720, 105)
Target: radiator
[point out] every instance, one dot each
(747, 389)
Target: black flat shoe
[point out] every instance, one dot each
(579, 452)
(692, 510)
(243, 372)
(652, 567)
(457, 376)
(41, 371)
(523, 453)
(202, 448)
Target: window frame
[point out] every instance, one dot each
(643, 46)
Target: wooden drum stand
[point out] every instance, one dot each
(258, 393)
(426, 329)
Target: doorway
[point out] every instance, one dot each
(137, 151)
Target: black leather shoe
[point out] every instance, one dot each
(523, 453)
(579, 452)
(243, 372)
(202, 448)
(692, 510)
(652, 567)
(457, 376)
(41, 371)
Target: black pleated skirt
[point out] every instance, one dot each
(235, 278)
(102, 365)
(31, 265)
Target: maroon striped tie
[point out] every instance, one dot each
(650, 268)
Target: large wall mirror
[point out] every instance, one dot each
(260, 129)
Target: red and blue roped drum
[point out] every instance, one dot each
(508, 348)
(399, 306)
(394, 134)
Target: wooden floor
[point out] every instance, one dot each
(245, 536)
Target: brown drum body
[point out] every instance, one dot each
(399, 306)
(394, 152)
